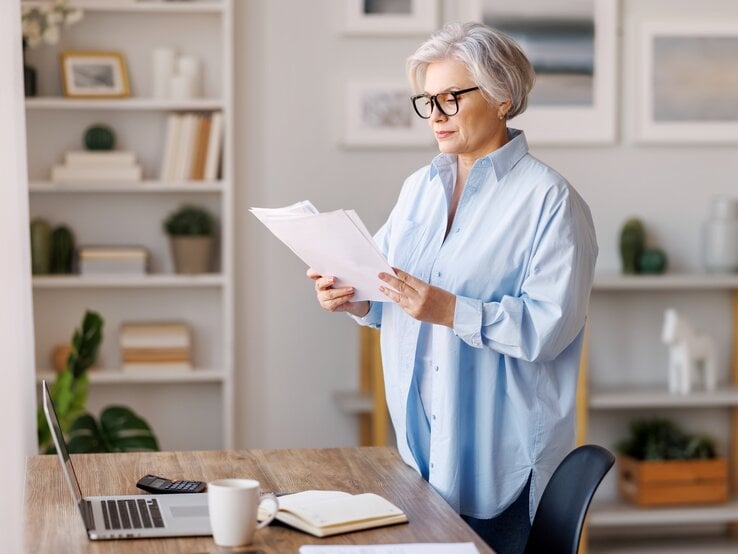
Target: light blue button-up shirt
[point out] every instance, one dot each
(520, 259)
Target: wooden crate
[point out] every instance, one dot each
(661, 483)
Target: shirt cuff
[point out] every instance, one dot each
(373, 318)
(468, 321)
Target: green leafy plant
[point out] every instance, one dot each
(661, 439)
(120, 429)
(189, 220)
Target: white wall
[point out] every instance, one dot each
(291, 67)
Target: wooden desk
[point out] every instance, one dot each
(52, 523)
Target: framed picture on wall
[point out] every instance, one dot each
(92, 74)
(381, 114)
(688, 82)
(572, 46)
(391, 17)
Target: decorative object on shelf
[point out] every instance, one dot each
(691, 354)
(380, 114)
(687, 86)
(632, 243)
(662, 465)
(573, 49)
(99, 137)
(119, 430)
(62, 250)
(42, 24)
(163, 64)
(652, 261)
(40, 247)
(191, 230)
(97, 166)
(156, 346)
(94, 74)
(721, 236)
(113, 260)
(378, 17)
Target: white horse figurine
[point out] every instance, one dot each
(689, 353)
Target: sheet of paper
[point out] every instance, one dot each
(413, 548)
(333, 243)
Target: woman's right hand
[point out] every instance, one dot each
(336, 299)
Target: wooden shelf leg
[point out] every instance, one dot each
(582, 415)
(733, 527)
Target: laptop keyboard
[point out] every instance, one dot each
(136, 513)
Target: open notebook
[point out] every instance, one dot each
(325, 513)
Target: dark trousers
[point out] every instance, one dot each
(508, 532)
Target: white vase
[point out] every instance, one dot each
(721, 236)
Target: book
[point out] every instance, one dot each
(69, 174)
(326, 513)
(197, 172)
(112, 260)
(160, 336)
(156, 366)
(100, 158)
(212, 160)
(188, 136)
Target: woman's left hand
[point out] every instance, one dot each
(420, 300)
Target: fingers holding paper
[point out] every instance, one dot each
(419, 299)
(336, 299)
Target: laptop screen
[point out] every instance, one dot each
(61, 450)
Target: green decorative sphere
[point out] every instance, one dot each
(652, 260)
(99, 137)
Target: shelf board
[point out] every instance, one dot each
(626, 398)
(617, 514)
(132, 187)
(354, 402)
(127, 281)
(668, 281)
(114, 376)
(61, 103)
(191, 6)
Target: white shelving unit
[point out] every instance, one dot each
(626, 375)
(188, 410)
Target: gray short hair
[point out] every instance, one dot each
(495, 61)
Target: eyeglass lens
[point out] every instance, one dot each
(445, 102)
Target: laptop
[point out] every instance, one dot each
(129, 516)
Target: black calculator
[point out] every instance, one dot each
(162, 485)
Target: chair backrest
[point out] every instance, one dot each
(557, 525)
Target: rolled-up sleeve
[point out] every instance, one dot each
(549, 312)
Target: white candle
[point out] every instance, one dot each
(162, 67)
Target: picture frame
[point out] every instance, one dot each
(381, 114)
(687, 89)
(94, 74)
(573, 48)
(391, 17)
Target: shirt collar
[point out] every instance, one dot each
(503, 159)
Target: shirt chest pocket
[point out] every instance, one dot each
(406, 245)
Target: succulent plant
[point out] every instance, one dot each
(190, 220)
(632, 243)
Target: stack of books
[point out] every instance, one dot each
(113, 260)
(156, 346)
(97, 165)
(192, 149)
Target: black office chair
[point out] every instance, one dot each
(557, 525)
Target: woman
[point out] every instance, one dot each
(482, 328)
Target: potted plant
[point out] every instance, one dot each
(119, 428)
(191, 230)
(661, 465)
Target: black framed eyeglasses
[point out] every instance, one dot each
(446, 102)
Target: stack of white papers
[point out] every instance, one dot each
(411, 548)
(335, 244)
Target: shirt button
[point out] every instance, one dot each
(432, 465)
(436, 368)
(438, 273)
(434, 417)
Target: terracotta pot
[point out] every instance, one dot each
(192, 254)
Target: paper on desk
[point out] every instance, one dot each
(416, 548)
(333, 243)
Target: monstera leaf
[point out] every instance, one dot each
(120, 430)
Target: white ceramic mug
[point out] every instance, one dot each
(233, 505)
